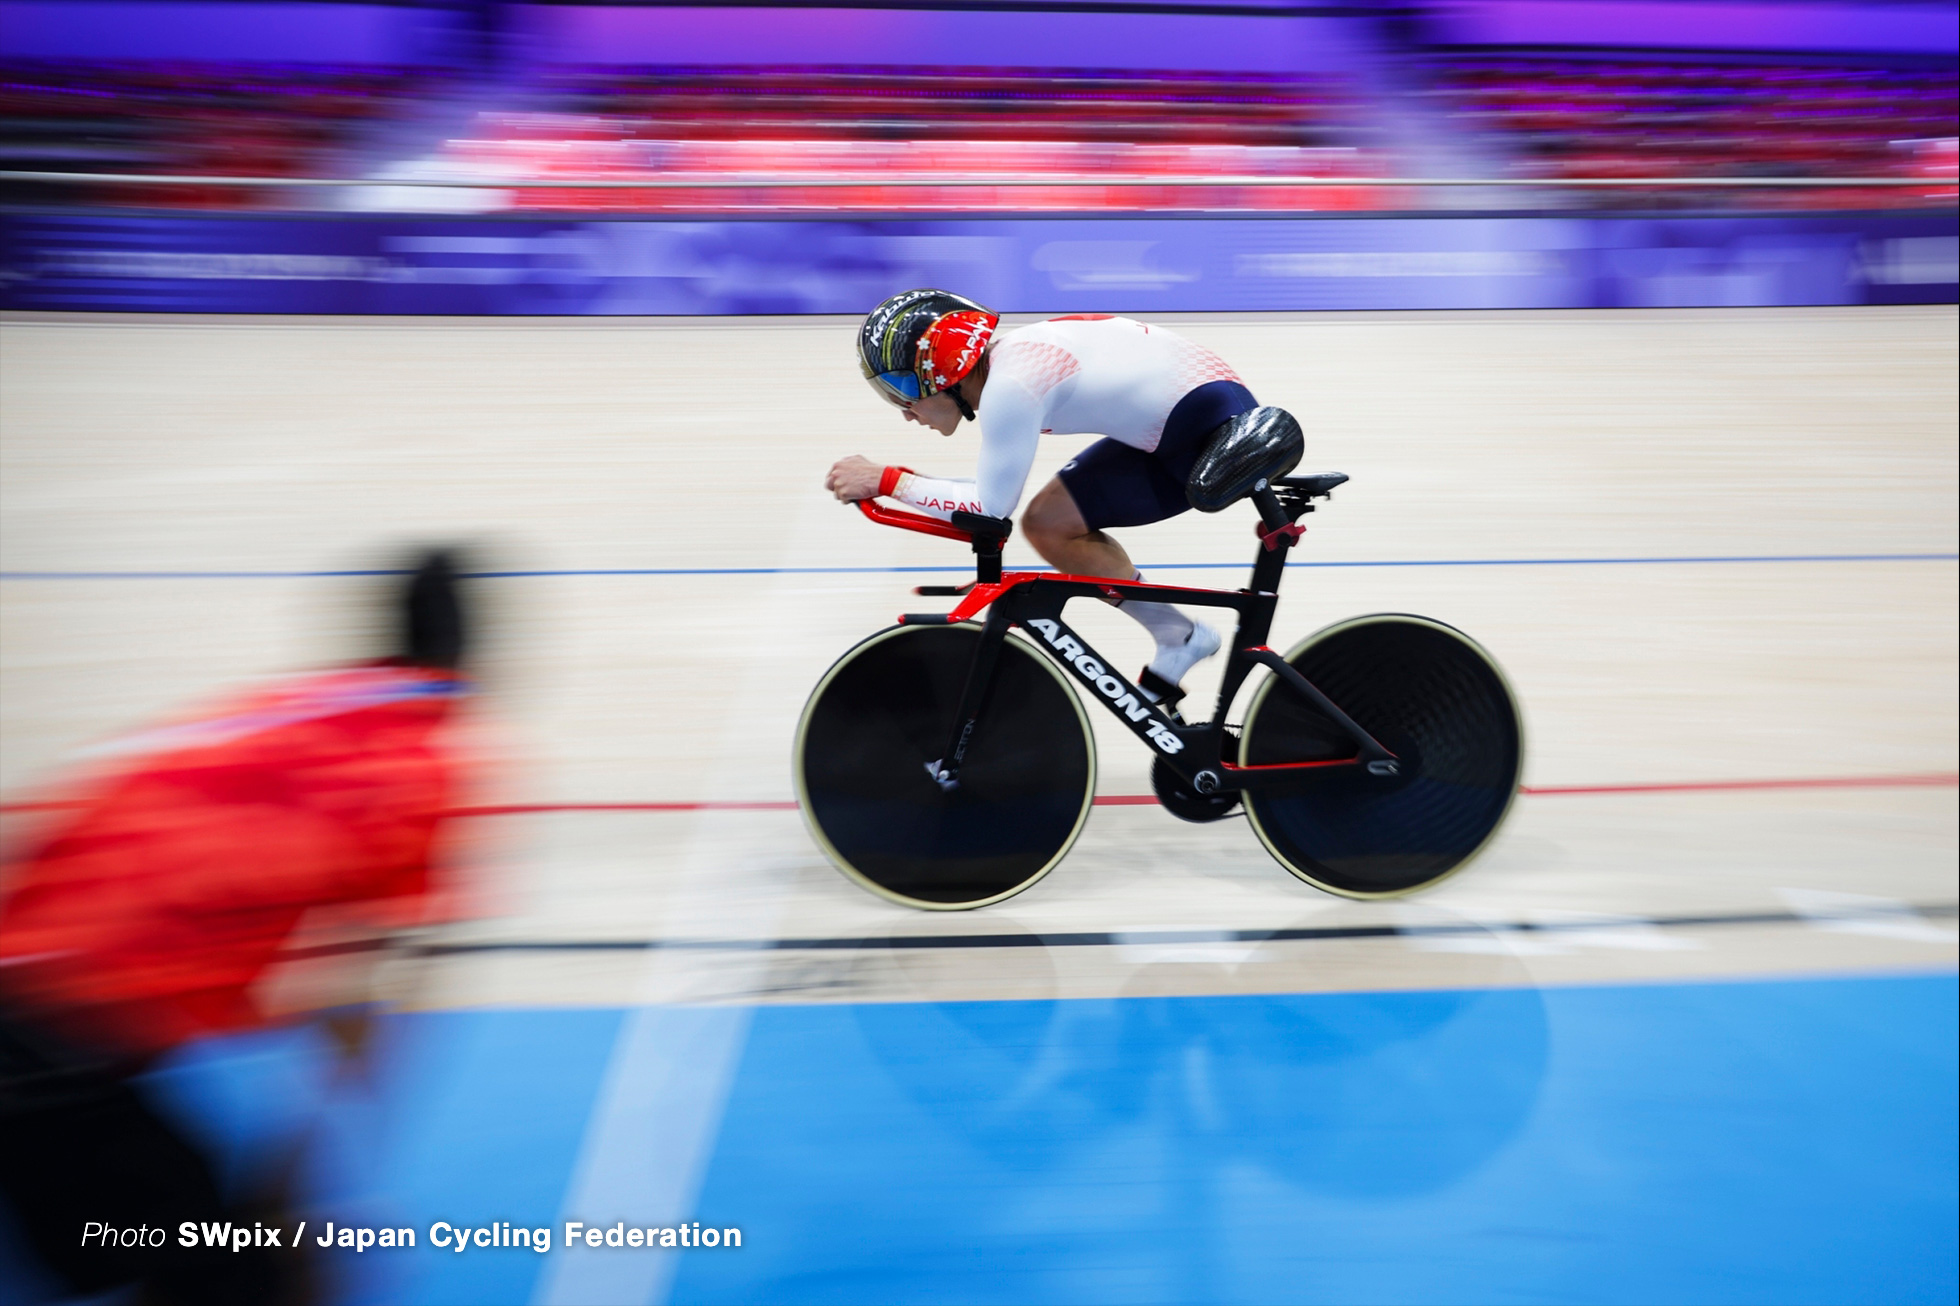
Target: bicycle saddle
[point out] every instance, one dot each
(1259, 446)
(1317, 486)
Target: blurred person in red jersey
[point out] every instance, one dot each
(148, 915)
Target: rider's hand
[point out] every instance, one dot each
(854, 478)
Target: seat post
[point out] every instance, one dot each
(1270, 565)
(1271, 510)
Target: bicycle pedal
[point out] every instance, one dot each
(1161, 692)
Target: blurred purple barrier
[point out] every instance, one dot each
(1908, 28)
(210, 264)
(220, 30)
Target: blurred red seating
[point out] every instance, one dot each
(191, 118)
(1570, 116)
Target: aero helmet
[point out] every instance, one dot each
(921, 342)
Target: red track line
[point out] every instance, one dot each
(733, 805)
(1933, 781)
(1937, 780)
(1148, 800)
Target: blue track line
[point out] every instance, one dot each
(852, 571)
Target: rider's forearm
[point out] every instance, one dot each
(929, 494)
(1010, 429)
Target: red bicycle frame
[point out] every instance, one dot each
(1034, 601)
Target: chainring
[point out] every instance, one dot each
(1186, 803)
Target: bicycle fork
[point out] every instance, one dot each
(945, 769)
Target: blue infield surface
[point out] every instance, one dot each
(1778, 1141)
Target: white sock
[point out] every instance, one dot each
(1172, 663)
(1169, 627)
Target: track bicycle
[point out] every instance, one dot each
(946, 762)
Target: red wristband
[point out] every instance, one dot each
(889, 480)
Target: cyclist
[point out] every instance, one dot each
(1154, 397)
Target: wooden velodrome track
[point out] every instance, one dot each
(1708, 547)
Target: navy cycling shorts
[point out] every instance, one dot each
(1115, 484)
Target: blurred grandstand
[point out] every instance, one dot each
(1760, 130)
(1608, 115)
(193, 118)
(926, 123)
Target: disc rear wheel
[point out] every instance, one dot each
(885, 711)
(1429, 695)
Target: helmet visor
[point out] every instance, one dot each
(899, 388)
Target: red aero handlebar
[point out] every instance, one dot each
(912, 521)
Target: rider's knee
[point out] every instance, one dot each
(1039, 529)
(1051, 518)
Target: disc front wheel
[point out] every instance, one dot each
(885, 711)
